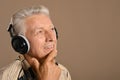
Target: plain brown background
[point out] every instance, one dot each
(89, 35)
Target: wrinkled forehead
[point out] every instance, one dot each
(38, 21)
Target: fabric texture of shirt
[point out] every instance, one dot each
(15, 71)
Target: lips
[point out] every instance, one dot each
(49, 46)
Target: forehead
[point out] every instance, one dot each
(37, 20)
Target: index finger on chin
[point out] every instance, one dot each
(51, 56)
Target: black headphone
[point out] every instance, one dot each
(19, 42)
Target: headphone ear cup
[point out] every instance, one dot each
(20, 44)
(56, 33)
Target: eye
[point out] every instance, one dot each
(40, 31)
(53, 28)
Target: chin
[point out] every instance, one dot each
(40, 56)
(47, 52)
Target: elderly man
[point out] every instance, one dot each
(35, 37)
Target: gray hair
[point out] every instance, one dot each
(17, 19)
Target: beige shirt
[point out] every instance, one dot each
(14, 72)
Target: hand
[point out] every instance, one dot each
(47, 70)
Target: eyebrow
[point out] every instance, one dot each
(51, 26)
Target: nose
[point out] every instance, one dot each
(49, 36)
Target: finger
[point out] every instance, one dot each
(34, 63)
(53, 60)
(51, 56)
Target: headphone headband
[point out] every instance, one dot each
(11, 30)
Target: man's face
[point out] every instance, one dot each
(41, 35)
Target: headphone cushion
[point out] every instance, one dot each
(20, 44)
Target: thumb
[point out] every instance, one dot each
(35, 64)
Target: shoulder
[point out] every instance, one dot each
(1, 72)
(15, 65)
(11, 71)
(65, 75)
(62, 67)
